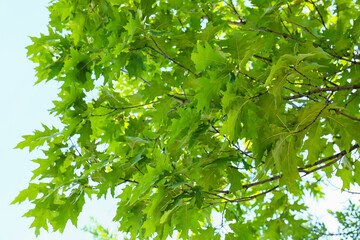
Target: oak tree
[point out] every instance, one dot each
(185, 109)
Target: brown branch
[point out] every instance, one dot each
(313, 121)
(233, 145)
(300, 83)
(131, 107)
(303, 75)
(232, 6)
(130, 181)
(327, 89)
(317, 10)
(218, 196)
(292, 90)
(178, 98)
(76, 149)
(239, 24)
(102, 115)
(335, 54)
(342, 153)
(267, 61)
(245, 199)
(258, 95)
(146, 82)
(357, 93)
(341, 70)
(344, 114)
(321, 167)
(149, 84)
(167, 57)
(286, 28)
(242, 19)
(138, 169)
(223, 215)
(246, 75)
(284, 35)
(336, 157)
(246, 186)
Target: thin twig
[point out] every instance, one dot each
(357, 93)
(317, 10)
(342, 153)
(138, 169)
(299, 93)
(257, 28)
(131, 107)
(245, 199)
(167, 57)
(341, 70)
(313, 121)
(267, 61)
(76, 149)
(344, 114)
(149, 84)
(246, 186)
(127, 180)
(327, 89)
(102, 115)
(335, 156)
(321, 167)
(232, 6)
(296, 70)
(146, 82)
(284, 35)
(246, 75)
(320, 40)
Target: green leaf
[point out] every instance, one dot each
(235, 178)
(39, 138)
(135, 66)
(287, 161)
(206, 56)
(346, 177)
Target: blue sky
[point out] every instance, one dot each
(24, 107)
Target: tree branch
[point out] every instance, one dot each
(335, 156)
(245, 199)
(292, 90)
(317, 10)
(130, 181)
(131, 107)
(344, 114)
(342, 153)
(260, 29)
(146, 82)
(321, 167)
(334, 54)
(312, 122)
(327, 89)
(246, 186)
(167, 57)
(149, 84)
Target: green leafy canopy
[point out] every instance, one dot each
(181, 109)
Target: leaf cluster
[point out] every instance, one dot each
(182, 109)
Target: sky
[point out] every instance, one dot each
(24, 107)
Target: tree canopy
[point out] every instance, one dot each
(182, 109)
